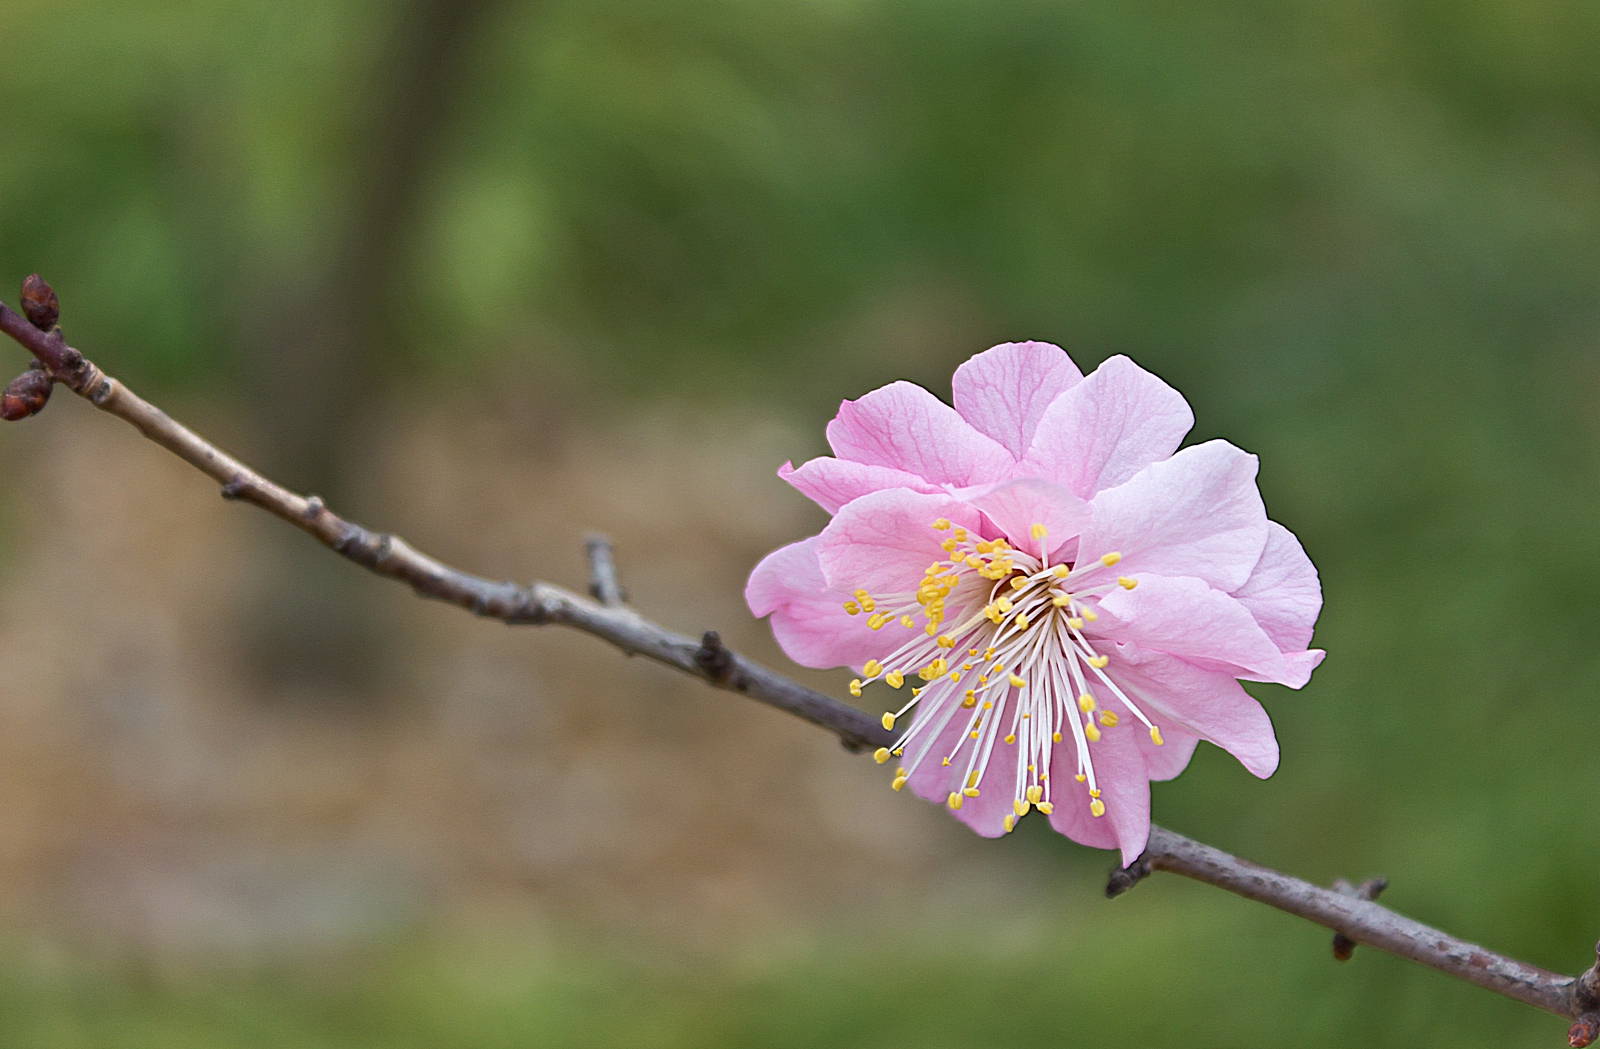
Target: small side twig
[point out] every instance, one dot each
(1343, 946)
(603, 585)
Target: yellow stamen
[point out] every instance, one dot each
(1108, 719)
(1018, 582)
(1038, 531)
(1091, 733)
(1126, 583)
(1074, 622)
(1097, 808)
(942, 524)
(1155, 736)
(1086, 702)
(881, 755)
(1046, 807)
(888, 720)
(852, 608)
(1061, 571)
(1008, 823)
(1011, 738)
(1080, 777)
(855, 687)
(1019, 806)
(1035, 792)
(899, 781)
(1055, 737)
(894, 678)
(970, 792)
(1017, 682)
(1089, 615)
(1099, 662)
(908, 622)
(1110, 559)
(945, 762)
(970, 700)
(1022, 620)
(954, 801)
(873, 668)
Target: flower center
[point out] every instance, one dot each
(1000, 645)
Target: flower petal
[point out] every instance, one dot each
(1184, 617)
(1209, 703)
(808, 619)
(830, 483)
(1283, 591)
(1196, 514)
(1107, 428)
(1005, 390)
(904, 427)
(1016, 506)
(1124, 785)
(884, 541)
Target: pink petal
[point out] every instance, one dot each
(1196, 514)
(1209, 703)
(1184, 617)
(1283, 592)
(1172, 756)
(1016, 506)
(1124, 787)
(904, 427)
(1004, 391)
(830, 483)
(808, 619)
(1107, 428)
(883, 542)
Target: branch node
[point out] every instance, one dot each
(715, 661)
(39, 303)
(1121, 879)
(314, 506)
(1344, 946)
(603, 585)
(27, 394)
(1584, 1030)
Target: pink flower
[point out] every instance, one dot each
(1074, 596)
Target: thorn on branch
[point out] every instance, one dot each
(603, 585)
(1344, 946)
(1121, 879)
(27, 394)
(39, 303)
(713, 659)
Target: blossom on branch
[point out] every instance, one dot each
(1062, 601)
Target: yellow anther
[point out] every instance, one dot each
(932, 628)
(1075, 623)
(1008, 823)
(945, 642)
(942, 524)
(916, 692)
(1018, 582)
(973, 734)
(1061, 601)
(1108, 719)
(983, 679)
(960, 534)
(1025, 717)
(1155, 736)
(895, 678)
(1126, 583)
(954, 675)
(1094, 793)
(949, 547)
(1055, 737)
(999, 668)
(988, 705)
(993, 614)
(1011, 737)
(1046, 807)
(970, 700)
(875, 622)
(1034, 793)
(1038, 531)
(1004, 604)
(908, 622)
(1022, 620)
(1080, 777)
(970, 792)
(855, 687)
(972, 651)
(1061, 571)
(859, 595)
(851, 608)
(954, 800)
(1089, 615)
(966, 666)
(972, 778)
(1016, 681)
(899, 781)
(888, 720)
(988, 653)
(873, 668)
(944, 761)
(1110, 559)
(881, 755)
(985, 546)
(1086, 702)
(1091, 733)
(1001, 544)
(868, 604)
(1019, 806)
(973, 561)
(1099, 662)
(1097, 808)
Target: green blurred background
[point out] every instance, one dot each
(1363, 238)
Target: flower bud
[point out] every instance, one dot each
(27, 395)
(39, 303)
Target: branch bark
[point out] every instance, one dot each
(1350, 913)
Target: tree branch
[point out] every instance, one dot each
(1349, 912)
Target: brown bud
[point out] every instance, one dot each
(40, 304)
(27, 395)
(1584, 1031)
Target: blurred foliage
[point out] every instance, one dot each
(1362, 237)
